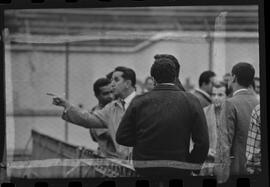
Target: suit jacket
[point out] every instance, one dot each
(160, 123)
(236, 115)
(204, 100)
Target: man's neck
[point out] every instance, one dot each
(127, 93)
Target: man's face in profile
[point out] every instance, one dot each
(210, 85)
(119, 84)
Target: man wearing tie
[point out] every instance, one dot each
(123, 86)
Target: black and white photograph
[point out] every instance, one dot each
(170, 91)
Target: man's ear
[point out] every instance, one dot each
(129, 83)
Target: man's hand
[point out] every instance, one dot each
(59, 101)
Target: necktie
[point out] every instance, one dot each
(123, 104)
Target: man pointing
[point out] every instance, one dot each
(123, 86)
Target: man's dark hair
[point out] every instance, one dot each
(109, 75)
(100, 83)
(244, 73)
(173, 59)
(177, 67)
(205, 77)
(163, 70)
(128, 74)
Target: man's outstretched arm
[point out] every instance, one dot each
(77, 116)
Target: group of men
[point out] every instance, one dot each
(155, 130)
(232, 112)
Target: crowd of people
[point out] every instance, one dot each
(169, 131)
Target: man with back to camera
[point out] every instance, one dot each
(123, 86)
(159, 125)
(103, 92)
(236, 114)
(206, 82)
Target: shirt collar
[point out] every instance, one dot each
(240, 90)
(171, 84)
(129, 98)
(204, 93)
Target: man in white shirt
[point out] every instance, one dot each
(123, 86)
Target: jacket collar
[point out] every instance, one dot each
(242, 91)
(172, 87)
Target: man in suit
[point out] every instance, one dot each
(206, 83)
(159, 125)
(236, 114)
(123, 86)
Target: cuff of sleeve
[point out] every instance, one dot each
(64, 115)
(66, 109)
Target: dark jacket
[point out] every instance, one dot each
(160, 123)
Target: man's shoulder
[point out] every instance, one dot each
(192, 95)
(108, 107)
(140, 97)
(231, 100)
(241, 99)
(229, 104)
